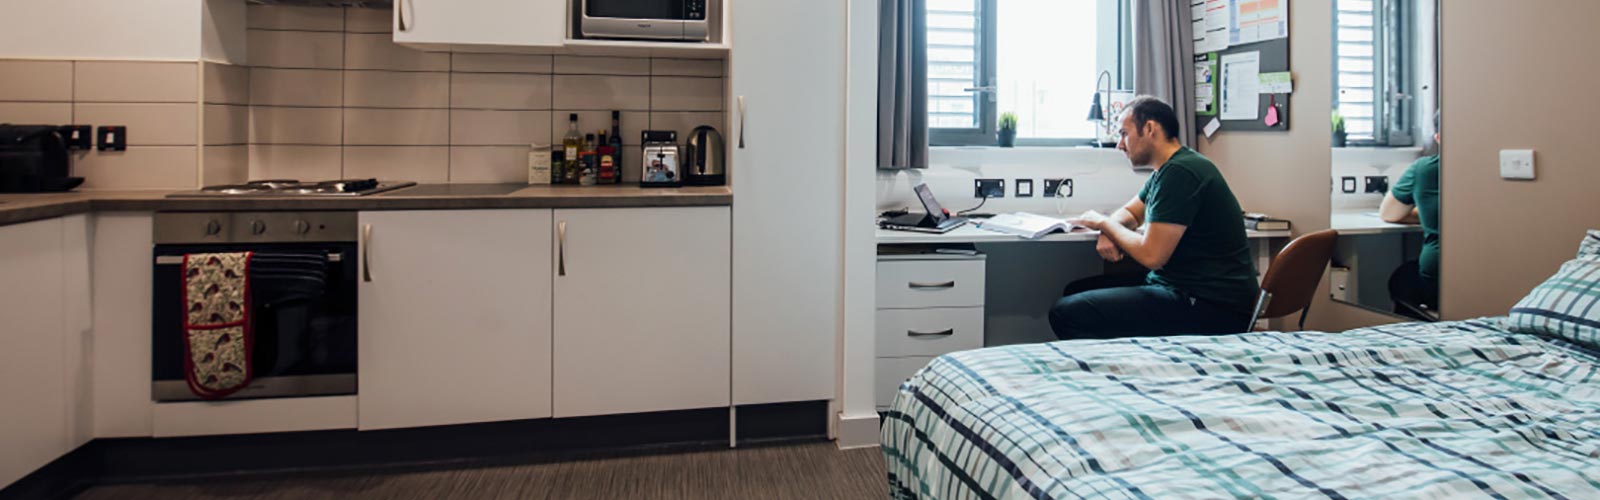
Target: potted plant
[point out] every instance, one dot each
(1339, 135)
(1008, 129)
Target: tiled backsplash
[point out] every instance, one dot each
(331, 95)
(156, 100)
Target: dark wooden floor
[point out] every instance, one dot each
(807, 471)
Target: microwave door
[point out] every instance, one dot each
(656, 10)
(645, 19)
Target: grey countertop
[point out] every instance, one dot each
(17, 208)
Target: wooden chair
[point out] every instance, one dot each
(1292, 279)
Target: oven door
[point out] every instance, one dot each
(305, 341)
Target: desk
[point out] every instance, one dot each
(971, 233)
(1359, 222)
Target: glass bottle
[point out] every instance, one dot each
(572, 144)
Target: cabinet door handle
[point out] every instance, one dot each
(945, 333)
(742, 119)
(400, 15)
(366, 253)
(561, 248)
(931, 286)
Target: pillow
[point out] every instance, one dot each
(1566, 306)
(1591, 244)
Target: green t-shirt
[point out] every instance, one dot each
(1212, 261)
(1419, 187)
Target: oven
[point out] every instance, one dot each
(680, 20)
(303, 318)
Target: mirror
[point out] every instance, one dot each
(1385, 171)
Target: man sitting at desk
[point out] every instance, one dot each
(1414, 199)
(1202, 280)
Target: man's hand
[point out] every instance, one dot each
(1091, 219)
(1108, 249)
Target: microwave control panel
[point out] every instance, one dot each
(694, 10)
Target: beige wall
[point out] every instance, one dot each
(1515, 78)
(1286, 173)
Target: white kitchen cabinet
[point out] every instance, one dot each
(787, 250)
(454, 317)
(77, 328)
(439, 24)
(33, 387)
(641, 310)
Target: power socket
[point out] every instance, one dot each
(1377, 184)
(1024, 188)
(1058, 187)
(989, 188)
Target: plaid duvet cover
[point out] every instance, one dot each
(1446, 410)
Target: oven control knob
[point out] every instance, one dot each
(258, 228)
(302, 227)
(213, 228)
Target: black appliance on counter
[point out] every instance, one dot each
(35, 159)
(305, 335)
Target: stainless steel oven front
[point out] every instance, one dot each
(303, 320)
(678, 20)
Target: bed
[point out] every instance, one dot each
(1446, 410)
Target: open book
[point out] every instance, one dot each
(1026, 225)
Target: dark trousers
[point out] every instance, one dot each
(1122, 305)
(1408, 286)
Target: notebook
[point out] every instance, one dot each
(1026, 225)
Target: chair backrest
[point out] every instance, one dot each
(1296, 271)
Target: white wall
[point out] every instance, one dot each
(857, 422)
(1363, 162)
(222, 32)
(101, 29)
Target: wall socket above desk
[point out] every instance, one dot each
(989, 188)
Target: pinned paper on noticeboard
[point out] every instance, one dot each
(1276, 83)
(1240, 79)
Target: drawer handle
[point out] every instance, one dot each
(946, 333)
(931, 286)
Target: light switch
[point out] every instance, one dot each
(1516, 164)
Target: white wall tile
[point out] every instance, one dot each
(396, 127)
(602, 92)
(423, 164)
(285, 125)
(225, 165)
(389, 89)
(500, 63)
(498, 128)
(685, 94)
(225, 83)
(135, 81)
(41, 113)
(592, 65)
(686, 67)
(499, 164)
(36, 80)
(685, 122)
(500, 91)
(226, 125)
(296, 49)
(140, 167)
(634, 123)
(295, 162)
(296, 87)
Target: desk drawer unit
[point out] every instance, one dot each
(915, 284)
(891, 372)
(928, 332)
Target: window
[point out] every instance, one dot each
(1039, 59)
(1374, 73)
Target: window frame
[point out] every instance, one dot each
(1395, 86)
(987, 103)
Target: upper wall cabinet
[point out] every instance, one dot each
(441, 24)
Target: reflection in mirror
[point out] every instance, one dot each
(1385, 172)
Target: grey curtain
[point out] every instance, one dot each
(1163, 58)
(902, 84)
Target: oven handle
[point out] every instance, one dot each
(175, 260)
(366, 253)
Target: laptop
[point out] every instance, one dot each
(934, 221)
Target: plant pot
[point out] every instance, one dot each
(1007, 138)
(1340, 139)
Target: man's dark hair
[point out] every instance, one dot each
(1146, 108)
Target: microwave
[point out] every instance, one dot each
(678, 20)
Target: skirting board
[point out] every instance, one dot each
(858, 431)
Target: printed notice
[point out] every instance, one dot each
(1276, 83)
(1212, 23)
(1241, 77)
(1258, 20)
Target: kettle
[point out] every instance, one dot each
(705, 161)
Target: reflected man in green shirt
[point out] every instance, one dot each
(1414, 199)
